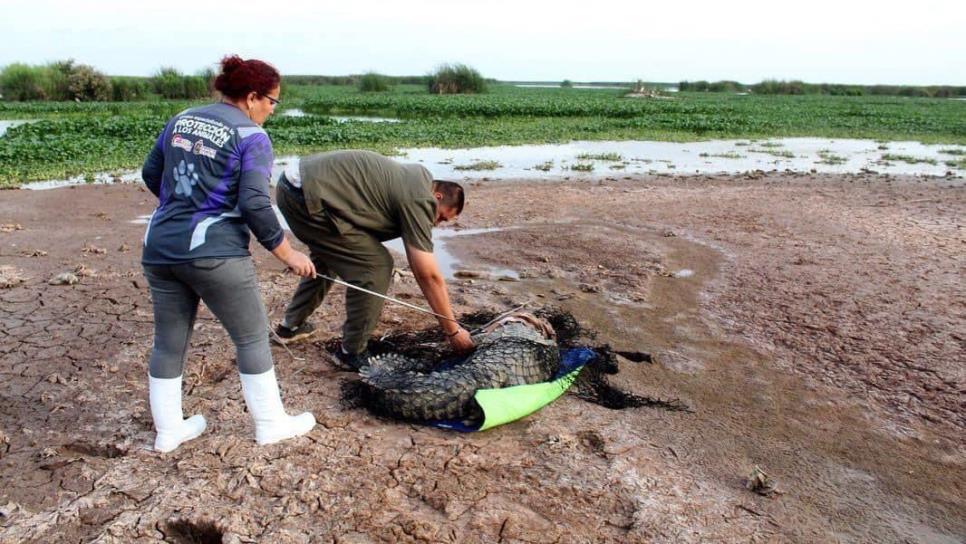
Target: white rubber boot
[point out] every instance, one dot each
(272, 424)
(169, 421)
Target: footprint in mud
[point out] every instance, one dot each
(636, 356)
(592, 442)
(186, 531)
(107, 451)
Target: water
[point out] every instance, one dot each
(449, 264)
(4, 125)
(575, 86)
(103, 178)
(295, 112)
(555, 161)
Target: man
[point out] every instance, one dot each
(343, 205)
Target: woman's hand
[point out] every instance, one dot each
(297, 261)
(300, 263)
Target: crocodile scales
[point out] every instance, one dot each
(518, 350)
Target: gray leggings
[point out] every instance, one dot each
(230, 290)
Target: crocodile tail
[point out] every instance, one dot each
(396, 389)
(380, 367)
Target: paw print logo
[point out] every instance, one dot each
(185, 178)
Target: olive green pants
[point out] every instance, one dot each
(352, 254)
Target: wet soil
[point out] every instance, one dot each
(820, 336)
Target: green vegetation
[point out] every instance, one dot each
(62, 80)
(907, 159)
(727, 155)
(172, 84)
(67, 81)
(479, 165)
(371, 82)
(582, 167)
(600, 156)
(953, 151)
(456, 79)
(795, 87)
(544, 166)
(566, 84)
(828, 157)
(75, 138)
(959, 163)
(785, 154)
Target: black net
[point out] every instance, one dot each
(429, 348)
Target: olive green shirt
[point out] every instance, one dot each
(373, 193)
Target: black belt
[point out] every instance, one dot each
(296, 192)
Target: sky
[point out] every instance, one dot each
(862, 42)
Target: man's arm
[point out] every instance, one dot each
(431, 282)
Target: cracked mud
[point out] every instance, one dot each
(818, 336)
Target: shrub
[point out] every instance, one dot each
(170, 83)
(85, 84)
(19, 81)
(456, 79)
(566, 84)
(57, 80)
(196, 87)
(127, 89)
(372, 82)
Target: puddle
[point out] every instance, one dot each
(295, 112)
(450, 265)
(5, 125)
(103, 178)
(592, 160)
(586, 159)
(574, 86)
(364, 118)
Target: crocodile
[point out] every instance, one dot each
(515, 350)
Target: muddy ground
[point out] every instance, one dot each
(815, 325)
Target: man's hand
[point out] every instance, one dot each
(461, 341)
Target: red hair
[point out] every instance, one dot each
(239, 77)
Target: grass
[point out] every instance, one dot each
(727, 155)
(953, 151)
(615, 157)
(907, 159)
(582, 167)
(544, 166)
(959, 163)
(79, 138)
(785, 154)
(479, 165)
(828, 157)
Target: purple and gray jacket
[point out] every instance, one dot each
(210, 169)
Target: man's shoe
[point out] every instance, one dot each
(350, 361)
(284, 335)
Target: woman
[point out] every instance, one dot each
(210, 170)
